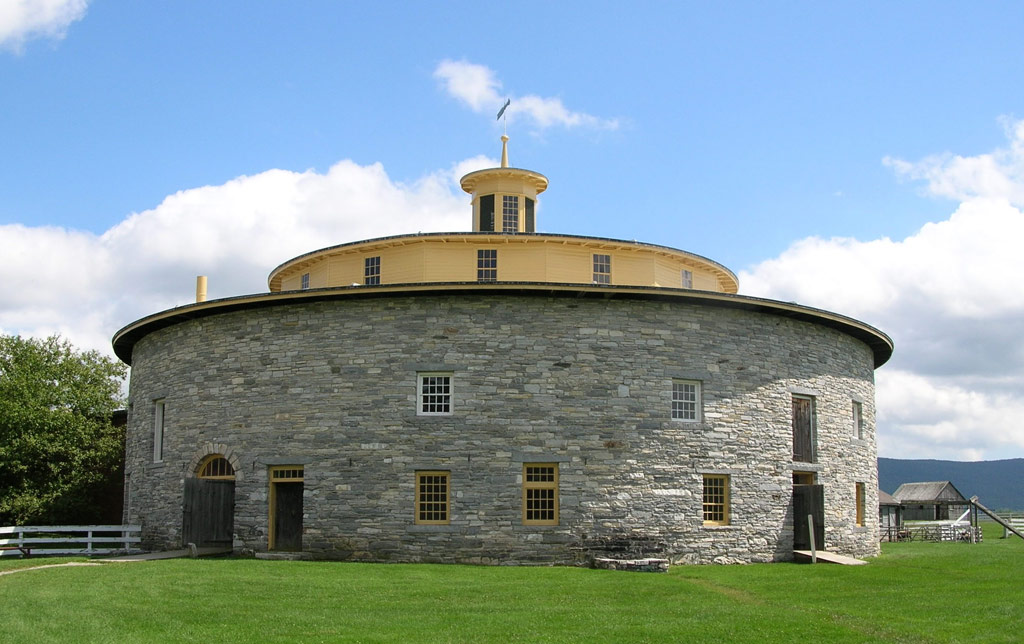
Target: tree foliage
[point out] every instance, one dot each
(59, 450)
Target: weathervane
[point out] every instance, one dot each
(501, 113)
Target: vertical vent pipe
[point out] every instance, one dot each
(201, 288)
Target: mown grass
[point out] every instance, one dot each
(914, 592)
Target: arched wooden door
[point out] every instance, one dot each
(209, 504)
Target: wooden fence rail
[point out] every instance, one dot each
(68, 539)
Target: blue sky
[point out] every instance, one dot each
(867, 158)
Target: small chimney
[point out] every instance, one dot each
(201, 288)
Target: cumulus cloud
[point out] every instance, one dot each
(21, 20)
(235, 233)
(999, 175)
(478, 87)
(950, 297)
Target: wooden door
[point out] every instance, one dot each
(803, 430)
(208, 511)
(808, 500)
(288, 516)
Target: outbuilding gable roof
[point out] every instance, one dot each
(884, 498)
(929, 491)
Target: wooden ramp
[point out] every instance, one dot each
(171, 554)
(827, 557)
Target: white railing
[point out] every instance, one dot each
(43, 540)
(1015, 519)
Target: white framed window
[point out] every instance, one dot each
(602, 269)
(305, 281)
(686, 400)
(687, 279)
(487, 265)
(509, 213)
(858, 420)
(434, 394)
(158, 430)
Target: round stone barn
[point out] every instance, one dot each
(503, 396)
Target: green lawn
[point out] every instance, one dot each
(914, 592)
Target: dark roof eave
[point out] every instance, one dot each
(881, 345)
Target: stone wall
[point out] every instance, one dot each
(585, 383)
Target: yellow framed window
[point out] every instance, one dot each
(487, 265)
(540, 493)
(509, 213)
(716, 499)
(433, 506)
(371, 270)
(860, 504)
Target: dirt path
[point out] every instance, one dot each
(71, 563)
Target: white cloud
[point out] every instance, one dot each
(87, 286)
(941, 419)
(478, 87)
(949, 295)
(21, 20)
(999, 175)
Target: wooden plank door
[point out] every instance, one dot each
(808, 500)
(208, 511)
(288, 516)
(803, 430)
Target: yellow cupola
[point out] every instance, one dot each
(504, 198)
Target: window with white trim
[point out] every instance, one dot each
(509, 213)
(602, 269)
(434, 394)
(433, 498)
(687, 279)
(858, 420)
(305, 281)
(716, 499)
(686, 400)
(158, 430)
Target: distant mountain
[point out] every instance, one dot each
(999, 485)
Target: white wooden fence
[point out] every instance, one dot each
(44, 540)
(1016, 519)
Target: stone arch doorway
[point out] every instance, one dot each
(208, 508)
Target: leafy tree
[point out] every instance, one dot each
(59, 451)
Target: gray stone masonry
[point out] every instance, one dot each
(584, 383)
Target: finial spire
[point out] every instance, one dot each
(504, 150)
